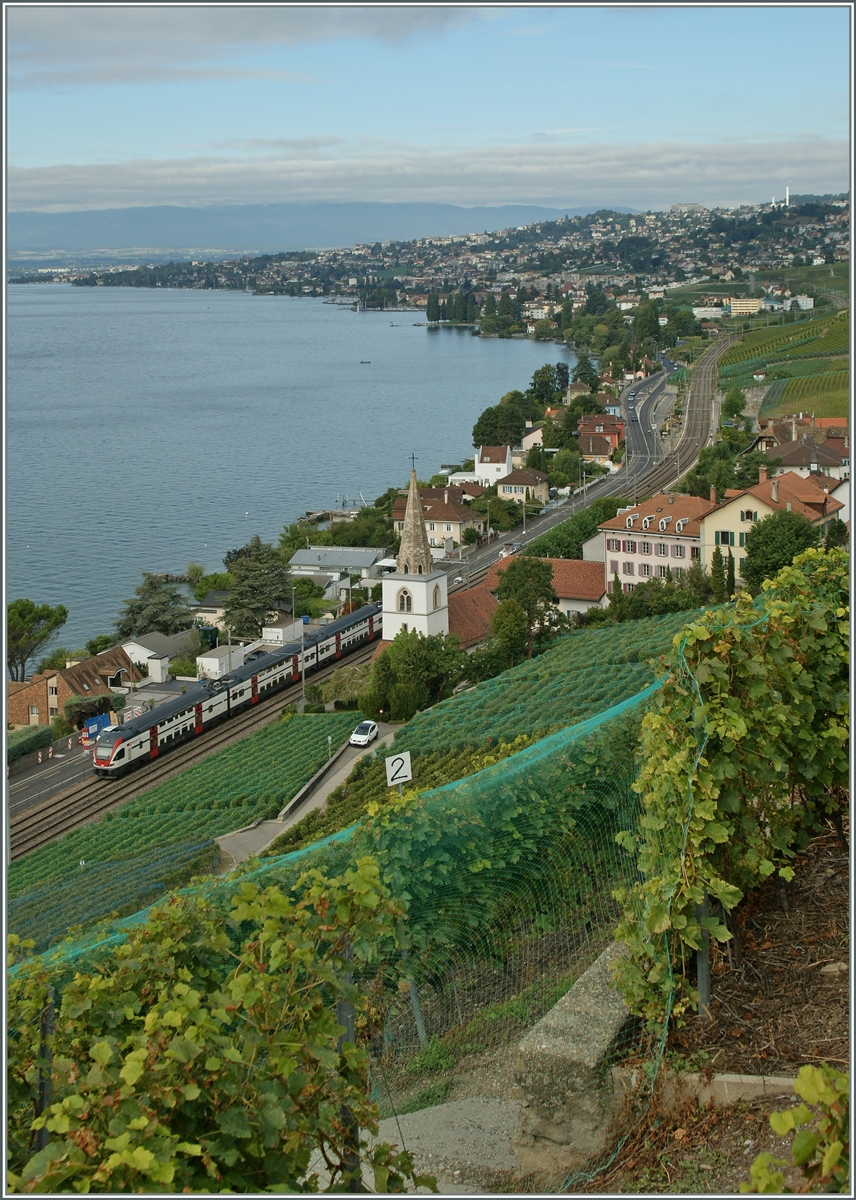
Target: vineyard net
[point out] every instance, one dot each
(507, 877)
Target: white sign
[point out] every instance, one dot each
(398, 768)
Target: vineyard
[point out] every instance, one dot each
(817, 337)
(585, 673)
(163, 836)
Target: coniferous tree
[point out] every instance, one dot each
(433, 311)
(717, 576)
(730, 580)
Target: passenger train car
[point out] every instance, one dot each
(146, 737)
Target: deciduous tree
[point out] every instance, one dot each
(773, 543)
(528, 582)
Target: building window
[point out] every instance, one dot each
(404, 626)
(431, 526)
(628, 568)
(52, 691)
(742, 538)
(629, 547)
(677, 551)
(662, 550)
(678, 571)
(628, 587)
(448, 529)
(695, 551)
(645, 569)
(437, 597)
(613, 544)
(644, 547)
(723, 537)
(405, 601)
(613, 566)
(34, 710)
(662, 572)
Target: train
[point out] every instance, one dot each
(205, 703)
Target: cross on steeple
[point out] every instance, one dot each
(413, 461)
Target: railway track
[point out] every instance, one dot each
(87, 801)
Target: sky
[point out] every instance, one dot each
(120, 105)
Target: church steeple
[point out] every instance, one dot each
(414, 556)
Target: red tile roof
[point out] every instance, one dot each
(470, 613)
(493, 454)
(573, 578)
(658, 507)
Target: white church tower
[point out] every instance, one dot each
(415, 595)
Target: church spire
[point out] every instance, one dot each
(414, 556)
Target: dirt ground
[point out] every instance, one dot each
(782, 1002)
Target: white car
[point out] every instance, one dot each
(364, 734)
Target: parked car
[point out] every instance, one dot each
(364, 734)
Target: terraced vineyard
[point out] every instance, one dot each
(135, 853)
(584, 674)
(804, 339)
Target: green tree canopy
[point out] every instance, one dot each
(29, 629)
(509, 629)
(260, 582)
(413, 673)
(155, 607)
(773, 543)
(566, 539)
(585, 372)
(528, 581)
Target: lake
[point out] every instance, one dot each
(146, 429)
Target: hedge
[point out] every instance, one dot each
(25, 741)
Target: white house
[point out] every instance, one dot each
(491, 464)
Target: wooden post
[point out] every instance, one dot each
(46, 1025)
(353, 1175)
(703, 965)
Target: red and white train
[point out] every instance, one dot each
(147, 737)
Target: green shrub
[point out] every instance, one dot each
(315, 708)
(25, 741)
(60, 728)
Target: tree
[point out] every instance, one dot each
(566, 539)
(489, 305)
(98, 645)
(156, 607)
(563, 378)
(646, 322)
(773, 543)
(509, 629)
(529, 582)
(730, 581)
(566, 315)
(58, 657)
(433, 311)
(585, 372)
(413, 673)
(733, 404)
(836, 534)
(260, 582)
(717, 576)
(29, 628)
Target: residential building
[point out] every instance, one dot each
(470, 612)
(42, 697)
(727, 524)
(491, 463)
(660, 537)
(594, 447)
(804, 457)
(612, 428)
(525, 484)
(744, 306)
(579, 585)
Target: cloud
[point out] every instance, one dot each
(635, 175)
(65, 46)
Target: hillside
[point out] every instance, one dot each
(586, 673)
(133, 855)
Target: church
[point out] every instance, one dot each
(415, 594)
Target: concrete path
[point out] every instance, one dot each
(464, 1144)
(257, 837)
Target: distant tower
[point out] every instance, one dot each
(415, 595)
(787, 197)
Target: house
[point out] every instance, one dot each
(41, 698)
(594, 447)
(612, 428)
(443, 517)
(525, 484)
(650, 540)
(211, 610)
(154, 650)
(576, 389)
(533, 435)
(491, 463)
(831, 457)
(329, 560)
(579, 585)
(727, 523)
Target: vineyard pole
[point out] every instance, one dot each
(353, 1176)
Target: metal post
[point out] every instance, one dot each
(352, 1174)
(411, 987)
(229, 633)
(45, 1058)
(703, 965)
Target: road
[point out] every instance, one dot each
(650, 465)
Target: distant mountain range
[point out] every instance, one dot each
(159, 232)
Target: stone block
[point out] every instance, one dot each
(571, 1102)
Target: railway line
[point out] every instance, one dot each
(87, 801)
